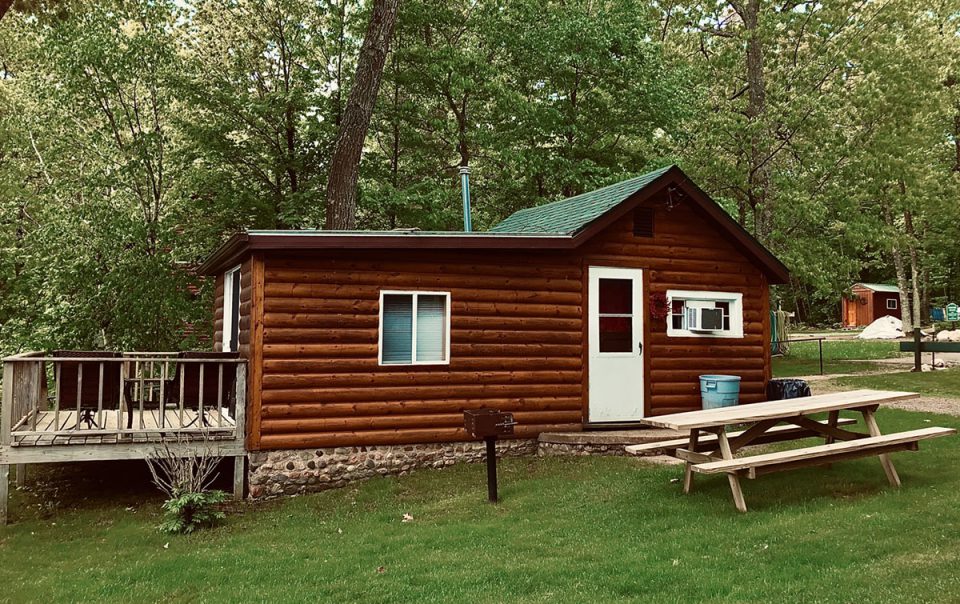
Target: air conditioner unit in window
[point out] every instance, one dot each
(705, 319)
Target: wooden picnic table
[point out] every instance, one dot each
(710, 447)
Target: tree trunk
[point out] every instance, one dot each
(899, 266)
(914, 268)
(758, 180)
(344, 167)
(4, 7)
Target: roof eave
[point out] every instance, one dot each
(228, 253)
(235, 248)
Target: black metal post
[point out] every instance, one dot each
(917, 361)
(492, 468)
(820, 346)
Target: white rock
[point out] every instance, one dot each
(948, 335)
(884, 328)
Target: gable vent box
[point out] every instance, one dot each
(643, 222)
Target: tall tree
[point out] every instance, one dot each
(341, 199)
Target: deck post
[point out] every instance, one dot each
(239, 474)
(240, 431)
(6, 425)
(21, 475)
(4, 492)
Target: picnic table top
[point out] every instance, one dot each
(756, 412)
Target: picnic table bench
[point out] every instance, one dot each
(710, 447)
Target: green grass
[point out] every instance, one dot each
(945, 382)
(567, 530)
(839, 356)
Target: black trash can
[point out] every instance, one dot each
(784, 388)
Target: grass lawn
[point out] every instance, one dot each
(839, 356)
(568, 530)
(945, 382)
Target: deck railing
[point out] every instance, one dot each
(99, 398)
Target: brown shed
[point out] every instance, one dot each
(385, 338)
(868, 302)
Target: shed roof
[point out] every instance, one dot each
(880, 287)
(564, 224)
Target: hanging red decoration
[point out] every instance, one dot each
(659, 306)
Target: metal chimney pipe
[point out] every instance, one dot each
(465, 189)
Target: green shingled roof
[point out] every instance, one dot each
(568, 216)
(881, 287)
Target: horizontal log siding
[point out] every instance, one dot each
(687, 252)
(515, 345)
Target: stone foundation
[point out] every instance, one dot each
(291, 472)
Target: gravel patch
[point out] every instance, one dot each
(925, 404)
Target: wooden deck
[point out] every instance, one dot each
(62, 428)
(44, 396)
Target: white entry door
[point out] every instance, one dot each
(615, 306)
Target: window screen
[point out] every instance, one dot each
(413, 328)
(397, 328)
(616, 315)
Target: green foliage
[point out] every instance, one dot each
(136, 136)
(188, 512)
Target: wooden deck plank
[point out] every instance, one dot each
(755, 412)
(114, 430)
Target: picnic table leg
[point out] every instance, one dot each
(891, 472)
(688, 471)
(832, 418)
(731, 476)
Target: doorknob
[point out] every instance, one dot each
(640, 344)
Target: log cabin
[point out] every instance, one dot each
(585, 313)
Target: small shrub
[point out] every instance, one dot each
(191, 511)
(186, 482)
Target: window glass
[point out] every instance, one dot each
(616, 315)
(397, 328)
(616, 296)
(230, 341)
(431, 327)
(616, 334)
(676, 312)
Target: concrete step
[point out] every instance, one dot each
(594, 438)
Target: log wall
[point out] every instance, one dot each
(515, 345)
(310, 320)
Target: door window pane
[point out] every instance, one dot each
(616, 334)
(431, 327)
(616, 296)
(397, 328)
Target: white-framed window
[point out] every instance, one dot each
(231, 310)
(414, 328)
(891, 304)
(705, 314)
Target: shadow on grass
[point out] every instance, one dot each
(93, 486)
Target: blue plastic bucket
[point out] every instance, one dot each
(719, 390)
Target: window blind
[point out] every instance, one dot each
(397, 328)
(431, 327)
